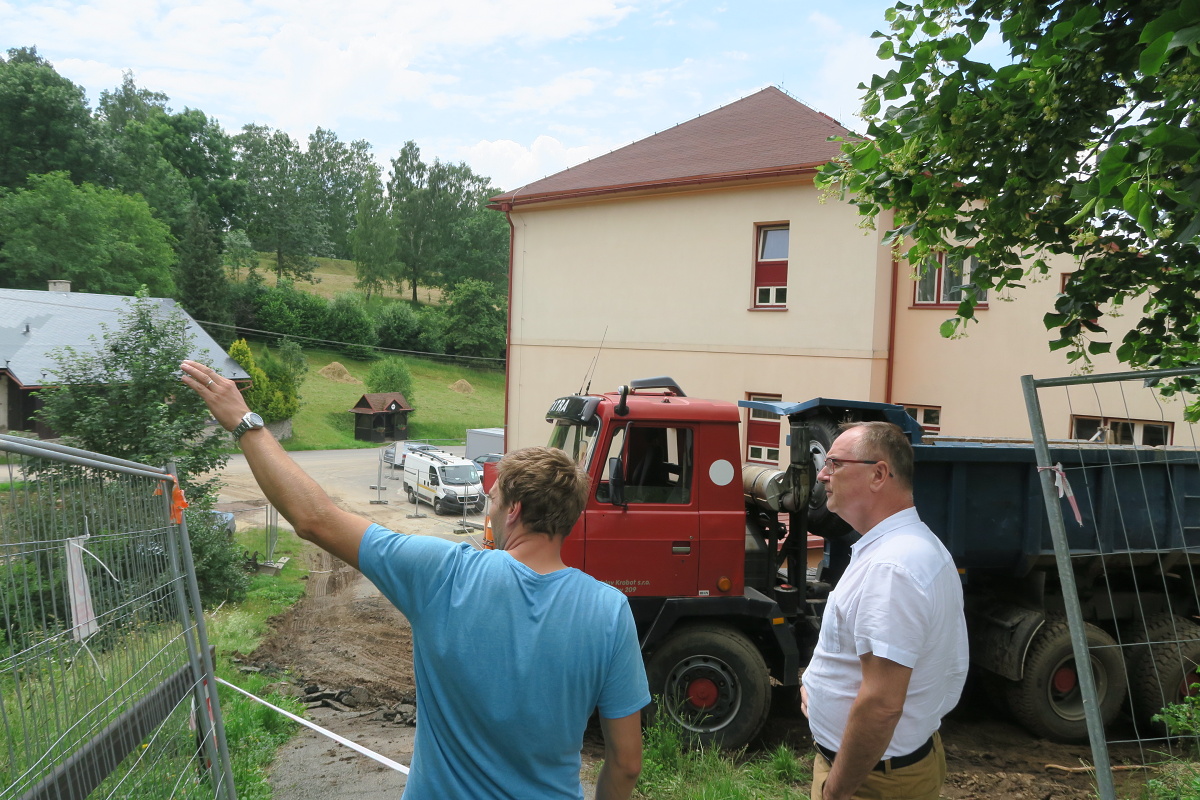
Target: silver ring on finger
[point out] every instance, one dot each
(210, 382)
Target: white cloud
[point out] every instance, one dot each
(846, 60)
(510, 164)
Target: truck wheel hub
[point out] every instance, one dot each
(1065, 679)
(702, 693)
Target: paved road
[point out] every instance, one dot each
(347, 476)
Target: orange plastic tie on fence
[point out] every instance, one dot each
(178, 502)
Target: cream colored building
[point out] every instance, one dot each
(705, 253)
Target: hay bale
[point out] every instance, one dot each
(337, 373)
(462, 387)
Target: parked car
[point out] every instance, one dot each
(486, 458)
(389, 452)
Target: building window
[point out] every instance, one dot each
(1112, 430)
(928, 417)
(941, 283)
(771, 266)
(762, 432)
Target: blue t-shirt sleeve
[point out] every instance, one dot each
(625, 689)
(407, 569)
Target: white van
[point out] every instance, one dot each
(445, 481)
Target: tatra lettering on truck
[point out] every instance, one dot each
(724, 602)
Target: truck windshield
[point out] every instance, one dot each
(574, 439)
(460, 475)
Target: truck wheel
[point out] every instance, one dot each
(713, 682)
(1048, 700)
(1162, 673)
(412, 498)
(821, 521)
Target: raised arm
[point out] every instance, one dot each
(297, 496)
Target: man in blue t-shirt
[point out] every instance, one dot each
(512, 649)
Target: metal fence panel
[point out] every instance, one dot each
(103, 658)
(1124, 521)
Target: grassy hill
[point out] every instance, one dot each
(324, 421)
(337, 276)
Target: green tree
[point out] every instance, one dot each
(271, 400)
(121, 396)
(339, 171)
(391, 374)
(203, 153)
(478, 249)
(45, 124)
(285, 310)
(100, 239)
(1083, 142)
(238, 254)
(373, 242)
(200, 278)
(282, 214)
(476, 323)
(427, 203)
(348, 322)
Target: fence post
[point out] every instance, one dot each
(210, 676)
(203, 724)
(1066, 575)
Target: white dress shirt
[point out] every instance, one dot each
(901, 599)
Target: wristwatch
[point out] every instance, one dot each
(250, 421)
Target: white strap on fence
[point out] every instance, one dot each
(387, 762)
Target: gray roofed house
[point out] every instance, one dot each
(33, 324)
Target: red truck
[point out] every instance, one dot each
(724, 602)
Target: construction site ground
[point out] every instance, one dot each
(344, 634)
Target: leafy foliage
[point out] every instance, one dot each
(391, 374)
(398, 327)
(122, 396)
(274, 400)
(218, 561)
(475, 320)
(100, 239)
(339, 171)
(283, 215)
(347, 321)
(203, 288)
(1085, 144)
(45, 124)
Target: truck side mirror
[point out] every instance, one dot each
(616, 481)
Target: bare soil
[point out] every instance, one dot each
(345, 634)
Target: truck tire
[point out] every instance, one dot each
(712, 681)
(1048, 700)
(821, 521)
(412, 498)
(1162, 672)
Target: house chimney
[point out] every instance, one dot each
(60, 286)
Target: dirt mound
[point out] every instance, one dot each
(335, 372)
(462, 387)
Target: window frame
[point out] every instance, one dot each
(776, 291)
(755, 417)
(1139, 428)
(930, 429)
(941, 285)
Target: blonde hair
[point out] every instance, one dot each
(551, 488)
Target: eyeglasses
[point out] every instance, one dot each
(834, 464)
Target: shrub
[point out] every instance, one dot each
(391, 374)
(218, 561)
(431, 330)
(347, 321)
(475, 320)
(398, 327)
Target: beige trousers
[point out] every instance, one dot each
(920, 781)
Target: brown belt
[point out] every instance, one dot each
(896, 762)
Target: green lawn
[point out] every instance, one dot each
(324, 421)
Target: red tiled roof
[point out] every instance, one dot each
(766, 133)
(379, 402)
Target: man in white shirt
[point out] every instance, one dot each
(891, 658)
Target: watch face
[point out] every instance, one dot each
(254, 420)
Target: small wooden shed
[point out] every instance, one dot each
(381, 417)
